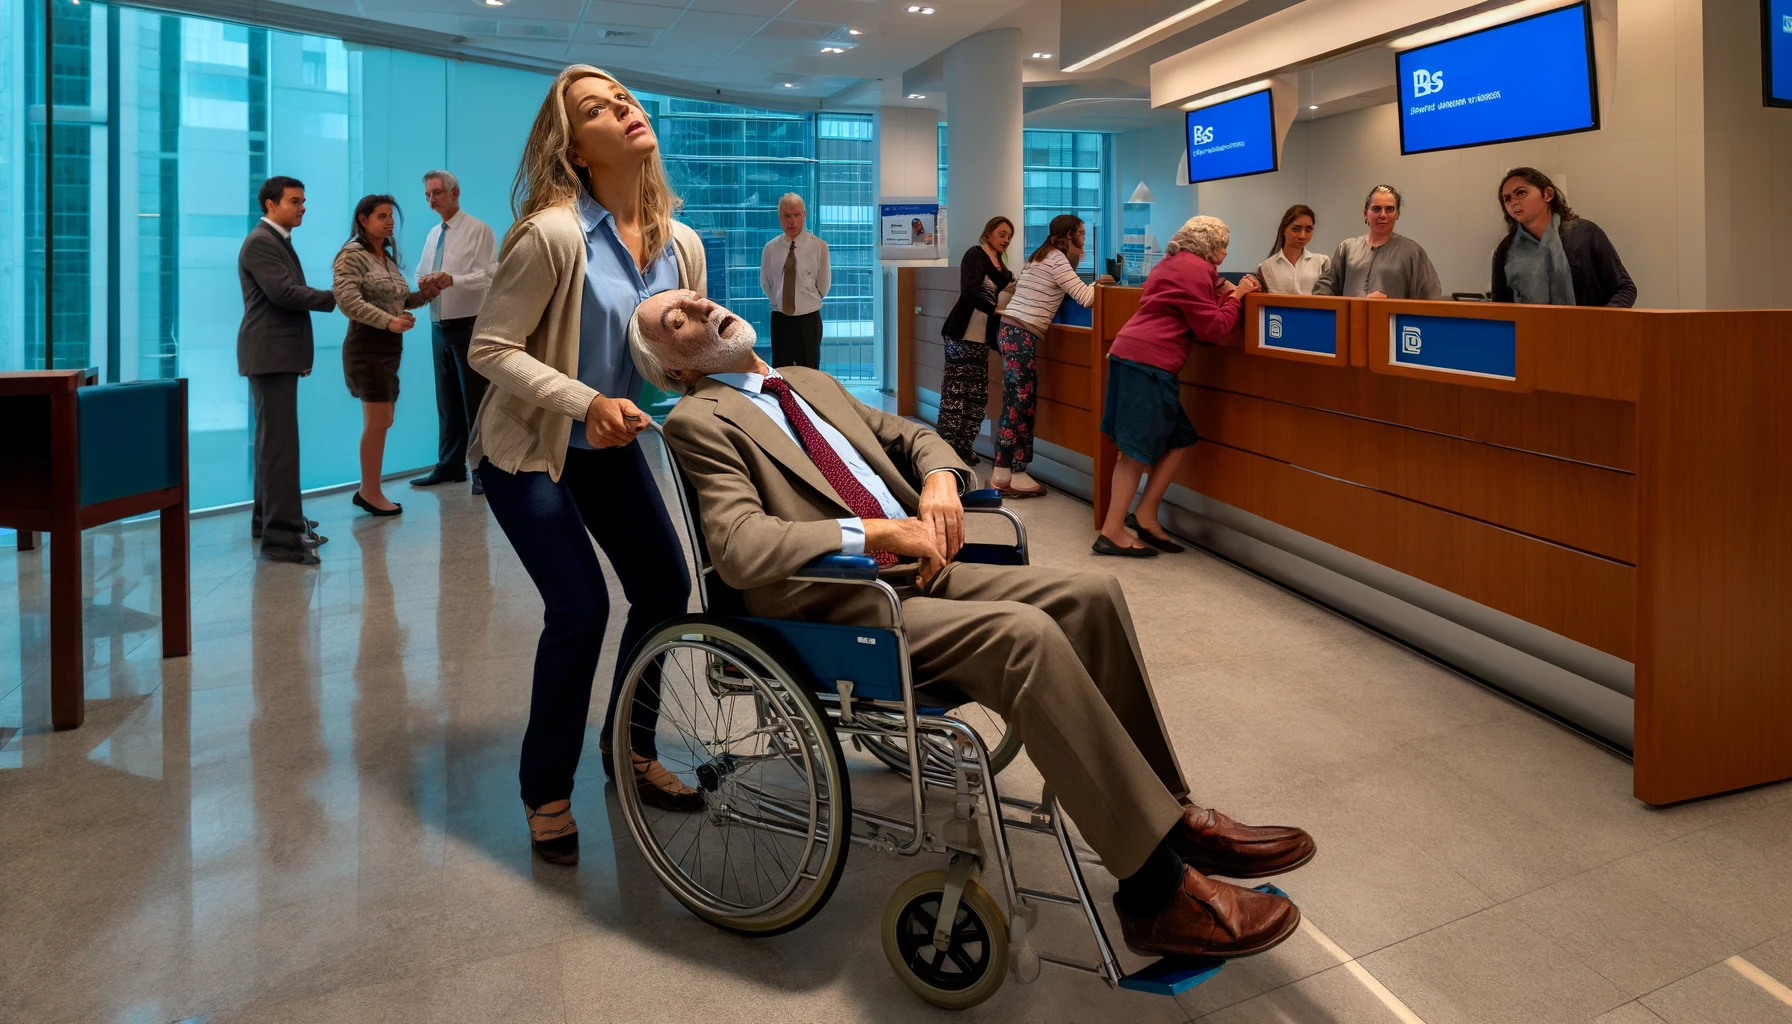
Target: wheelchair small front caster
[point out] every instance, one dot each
(968, 971)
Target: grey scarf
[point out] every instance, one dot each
(1537, 268)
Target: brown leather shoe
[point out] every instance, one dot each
(1214, 844)
(1212, 918)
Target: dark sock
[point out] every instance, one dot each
(1150, 889)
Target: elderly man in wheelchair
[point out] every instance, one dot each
(803, 489)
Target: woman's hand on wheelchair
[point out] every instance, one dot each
(612, 422)
(943, 512)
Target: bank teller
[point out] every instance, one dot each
(1380, 264)
(1290, 268)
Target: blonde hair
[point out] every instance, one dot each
(548, 178)
(1202, 236)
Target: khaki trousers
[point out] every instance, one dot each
(1054, 653)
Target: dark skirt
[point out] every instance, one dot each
(370, 362)
(1143, 411)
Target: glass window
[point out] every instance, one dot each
(1061, 172)
(155, 188)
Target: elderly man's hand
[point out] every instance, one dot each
(911, 537)
(612, 422)
(941, 510)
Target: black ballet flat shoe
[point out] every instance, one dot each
(373, 510)
(1164, 544)
(552, 840)
(1104, 546)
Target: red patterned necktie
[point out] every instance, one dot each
(826, 459)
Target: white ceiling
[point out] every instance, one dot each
(740, 48)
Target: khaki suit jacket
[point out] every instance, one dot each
(766, 508)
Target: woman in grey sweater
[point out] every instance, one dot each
(1380, 264)
(371, 290)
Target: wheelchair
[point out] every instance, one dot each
(751, 712)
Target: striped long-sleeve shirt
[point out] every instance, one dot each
(1041, 290)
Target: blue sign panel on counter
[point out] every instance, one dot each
(1298, 329)
(1480, 348)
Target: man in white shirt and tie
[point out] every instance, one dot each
(458, 255)
(793, 271)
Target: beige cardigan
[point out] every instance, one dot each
(526, 341)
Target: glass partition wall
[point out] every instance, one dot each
(165, 125)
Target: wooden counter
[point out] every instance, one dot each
(1620, 478)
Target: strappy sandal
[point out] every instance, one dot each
(553, 835)
(657, 786)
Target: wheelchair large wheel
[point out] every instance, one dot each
(998, 736)
(735, 717)
(971, 968)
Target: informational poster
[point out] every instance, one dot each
(909, 229)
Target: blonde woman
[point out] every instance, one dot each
(554, 443)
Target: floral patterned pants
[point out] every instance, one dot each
(1020, 385)
(964, 394)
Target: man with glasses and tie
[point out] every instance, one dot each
(793, 270)
(458, 257)
(273, 350)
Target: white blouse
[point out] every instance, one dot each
(1279, 275)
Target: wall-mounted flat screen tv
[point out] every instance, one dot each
(1232, 139)
(1776, 52)
(1521, 80)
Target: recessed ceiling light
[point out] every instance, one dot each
(832, 49)
(917, 95)
(494, 3)
(917, 9)
(789, 85)
(1314, 107)
(1041, 56)
(854, 32)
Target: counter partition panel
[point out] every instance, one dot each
(1597, 489)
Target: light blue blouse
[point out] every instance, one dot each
(614, 286)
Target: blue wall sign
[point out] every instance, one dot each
(1477, 348)
(1298, 329)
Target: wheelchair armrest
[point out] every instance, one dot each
(839, 567)
(986, 499)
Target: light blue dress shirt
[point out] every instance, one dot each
(614, 286)
(852, 531)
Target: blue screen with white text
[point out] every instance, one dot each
(1779, 50)
(1516, 81)
(1232, 138)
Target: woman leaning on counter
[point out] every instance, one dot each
(1184, 301)
(1551, 256)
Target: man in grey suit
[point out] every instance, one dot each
(273, 350)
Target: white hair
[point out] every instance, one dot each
(1202, 236)
(647, 358)
(791, 199)
(449, 181)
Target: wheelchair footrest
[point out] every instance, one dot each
(1177, 974)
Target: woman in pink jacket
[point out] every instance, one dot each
(1184, 301)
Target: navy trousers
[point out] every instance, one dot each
(608, 495)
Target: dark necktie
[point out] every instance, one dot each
(286, 241)
(826, 459)
(790, 280)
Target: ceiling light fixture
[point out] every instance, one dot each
(494, 3)
(1314, 106)
(917, 9)
(1041, 56)
(1172, 21)
(789, 85)
(854, 32)
(832, 49)
(917, 95)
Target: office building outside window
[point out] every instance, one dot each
(165, 126)
(1062, 172)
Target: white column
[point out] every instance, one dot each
(983, 136)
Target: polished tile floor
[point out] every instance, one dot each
(314, 818)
